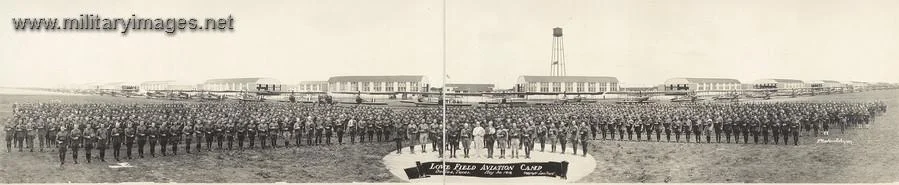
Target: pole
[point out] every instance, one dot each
(443, 92)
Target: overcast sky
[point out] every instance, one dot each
(641, 42)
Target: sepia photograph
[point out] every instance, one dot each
(449, 91)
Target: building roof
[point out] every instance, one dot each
(157, 82)
(701, 80)
(472, 87)
(312, 82)
(243, 80)
(824, 82)
(568, 79)
(777, 80)
(396, 78)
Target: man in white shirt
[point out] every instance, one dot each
(478, 133)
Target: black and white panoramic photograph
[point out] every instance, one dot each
(449, 91)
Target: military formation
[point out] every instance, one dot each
(130, 131)
(141, 130)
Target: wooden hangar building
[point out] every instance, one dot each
(312, 87)
(469, 88)
(777, 83)
(241, 84)
(711, 85)
(553, 87)
(378, 86)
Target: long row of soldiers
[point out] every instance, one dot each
(99, 126)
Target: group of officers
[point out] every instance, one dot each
(471, 130)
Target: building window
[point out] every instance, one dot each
(557, 86)
(569, 86)
(377, 87)
(402, 87)
(532, 87)
(365, 86)
(591, 87)
(580, 87)
(389, 87)
(413, 86)
(544, 86)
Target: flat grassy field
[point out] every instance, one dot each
(873, 157)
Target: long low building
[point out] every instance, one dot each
(824, 84)
(567, 84)
(239, 84)
(702, 84)
(469, 88)
(777, 83)
(378, 84)
(312, 86)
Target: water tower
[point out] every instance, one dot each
(557, 64)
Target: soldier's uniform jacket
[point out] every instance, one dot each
(541, 131)
(573, 131)
(75, 136)
(261, 128)
(552, 132)
(466, 133)
(152, 132)
(514, 134)
(89, 135)
(141, 132)
(273, 129)
(9, 134)
(526, 134)
(101, 136)
(61, 138)
(502, 135)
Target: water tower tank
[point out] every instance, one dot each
(557, 32)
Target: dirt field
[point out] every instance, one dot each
(872, 158)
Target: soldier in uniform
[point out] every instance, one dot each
(435, 130)
(563, 136)
(20, 135)
(141, 139)
(551, 134)
(584, 140)
(210, 135)
(188, 133)
(241, 132)
(75, 142)
(490, 139)
(502, 139)
(89, 135)
(526, 133)
(116, 139)
(423, 136)
(638, 129)
(30, 133)
(286, 131)
(230, 131)
(310, 129)
(175, 137)
(273, 130)
(101, 136)
(454, 132)
(328, 130)
(362, 128)
(351, 130)
(515, 140)
(573, 132)
(687, 128)
(603, 127)
(668, 128)
(412, 133)
(370, 129)
(340, 129)
(728, 125)
(152, 132)
(199, 131)
(775, 130)
(129, 139)
(785, 130)
(42, 135)
(379, 132)
(465, 133)
(61, 141)
(252, 133)
(298, 129)
(795, 129)
(261, 131)
(163, 138)
(628, 125)
(541, 135)
(398, 138)
(745, 128)
(763, 130)
(319, 131)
